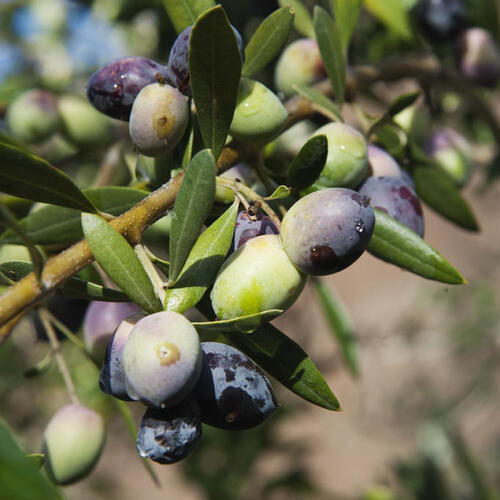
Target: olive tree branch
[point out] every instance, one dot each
(21, 296)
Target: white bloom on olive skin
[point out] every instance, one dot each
(162, 359)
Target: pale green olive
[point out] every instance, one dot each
(259, 115)
(300, 63)
(33, 116)
(162, 359)
(159, 118)
(259, 276)
(82, 124)
(73, 441)
(346, 164)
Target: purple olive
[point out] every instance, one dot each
(232, 391)
(113, 88)
(326, 231)
(397, 198)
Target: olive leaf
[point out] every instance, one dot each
(59, 226)
(203, 263)
(27, 176)
(392, 13)
(397, 244)
(302, 21)
(346, 14)
(267, 42)
(242, 324)
(20, 477)
(330, 47)
(280, 193)
(183, 13)
(119, 261)
(192, 205)
(321, 103)
(308, 164)
(439, 192)
(215, 70)
(287, 362)
(340, 323)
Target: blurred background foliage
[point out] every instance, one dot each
(56, 45)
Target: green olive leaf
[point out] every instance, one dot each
(287, 362)
(302, 21)
(192, 205)
(330, 47)
(61, 227)
(439, 192)
(392, 13)
(215, 70)
(280, 193)
(242, 324)
(27, 176)
(36, 257)
(20, 477)
(397, 244)
(399, 104)
(203, 263)
(183, 13)
(321, 103)
(119, 261)
(340, 323)
(392, 138)
(346, 14)
(36, 458)
(76, 288)
(267, 42)
(308, 164)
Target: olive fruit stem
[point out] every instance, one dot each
(159, 285)
(56, 349)
(250, 194)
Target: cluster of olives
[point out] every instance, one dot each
(35, 116)
(477, 53)
(160, 361)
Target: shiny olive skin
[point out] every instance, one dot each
(326, 231)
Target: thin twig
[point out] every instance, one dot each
(56, 348)
(158, 284)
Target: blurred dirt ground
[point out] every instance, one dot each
(426, 350)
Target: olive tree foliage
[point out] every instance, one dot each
(215, 134)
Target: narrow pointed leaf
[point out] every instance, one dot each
(399, 104)
(75, 287)
(20, 477)
(392, 13)
(241, 324)
(35, 255)
(439, 192)
(340, 323)
(192, 205)
(36, 458)
(183, 13)
(119, 261)
(346, 15)
(287, 362)
(267, 42)
(215, 70)
(302, 21)
(51, 225)
(280, 193)
(188, 152)
(27, 176)
(308, 164)
(203, 263)
(321, 103)
(330, 46)
(395, 243)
